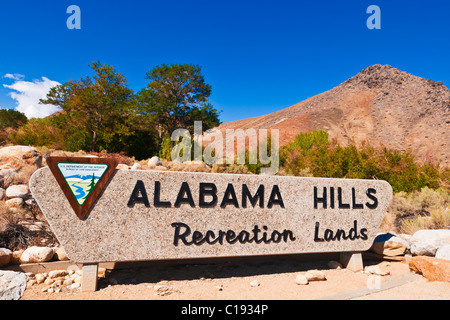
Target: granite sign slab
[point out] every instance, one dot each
(155, 215)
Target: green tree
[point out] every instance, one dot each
(10, 118)
(91, 185)
(175, 97)
(98, 106)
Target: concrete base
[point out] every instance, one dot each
(89, 279)
(352, 261)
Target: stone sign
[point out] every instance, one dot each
(154, 215)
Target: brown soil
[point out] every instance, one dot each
(232, 281)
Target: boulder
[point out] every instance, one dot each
(154, 161)
(254, 283)
(17, 191)
(389, 245)
(15, 258)
(60, 254)
(378, 270)
(14, 157)
(57, 274)
(12, 285)
(7, 177)
(136, 166)
(431, 268)
(5, 256)
(37, 254)
(300, 279)
(14, 203)
(40, 278)
(443, 252)
(315, 275)
(426, 242)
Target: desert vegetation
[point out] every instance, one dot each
(101, 113)
(421, 189)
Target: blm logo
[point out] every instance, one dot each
(81, 179)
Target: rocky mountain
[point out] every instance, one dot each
(381, 105)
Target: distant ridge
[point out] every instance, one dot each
(82, 177)
(381, 105)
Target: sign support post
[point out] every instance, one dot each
(89, 277)
(352, 261)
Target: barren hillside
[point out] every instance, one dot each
(381, 104)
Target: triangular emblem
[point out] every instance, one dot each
(81, 179)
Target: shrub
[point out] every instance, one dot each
(38, 132)
(11, 118)
(425, 209)
(229, 168)
(328, 159)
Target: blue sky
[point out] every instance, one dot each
(258, 56)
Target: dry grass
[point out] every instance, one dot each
(425, 209)
(439, 218)
(14, 233)
(229, 168)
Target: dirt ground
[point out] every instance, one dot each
(275, 280)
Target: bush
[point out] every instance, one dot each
(38, 132)
(328, 159)
(11, 119)
(229, 168)
(424, 209)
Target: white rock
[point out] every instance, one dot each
(122, 166)
(301, 279)
(376, 270)
(12, 285)
(315, 275)
(427, 242)
(155, 161)
(443, 252)
(5, 256)
(14, 203)
(254, 283)
(57, 273)
(14, 156)
(37, 254)
(40, 278)
(7, 176)
(136, 166)
(390, 245)
(31, 283)
(60, 254)
(17, 191)
(75, 285)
